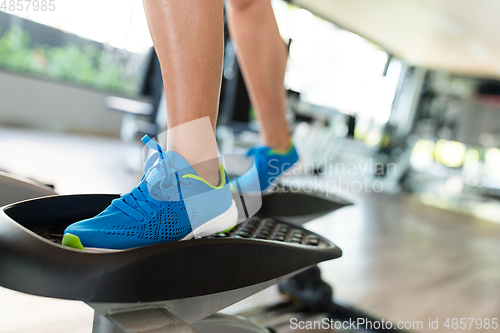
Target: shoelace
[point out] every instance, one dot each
(140, 196)
(259, 155)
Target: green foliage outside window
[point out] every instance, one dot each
(86, 65)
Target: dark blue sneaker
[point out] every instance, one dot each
(271, 164)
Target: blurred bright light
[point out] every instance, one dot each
(422, 154)
(472, 155)
(454, 185)
(373, 138)
(450, 153)
(492, 159)
(472, 167)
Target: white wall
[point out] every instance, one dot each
(33, 102)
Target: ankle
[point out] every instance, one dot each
(195, 142)
(281, 144)
(209, 171)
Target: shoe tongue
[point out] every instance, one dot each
(159, 176)
(160, 181)
(179, 163)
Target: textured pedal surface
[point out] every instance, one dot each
(270, 229)
(53, 234)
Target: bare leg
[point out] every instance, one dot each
(188, 38)
(262, 56)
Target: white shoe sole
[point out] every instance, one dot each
(226, 220)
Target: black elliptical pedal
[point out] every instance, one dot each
(172, 284)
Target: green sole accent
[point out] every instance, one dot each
(72, 241)
(227, 230)
(222, 175)
(282, 152)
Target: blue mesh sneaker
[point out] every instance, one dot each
(171, 203)
(271, 165)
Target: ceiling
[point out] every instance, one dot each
(462, 36)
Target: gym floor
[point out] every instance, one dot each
(402, 261)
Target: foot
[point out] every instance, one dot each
(171, 203)
(271, 165)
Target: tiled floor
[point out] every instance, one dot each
(402, 260)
